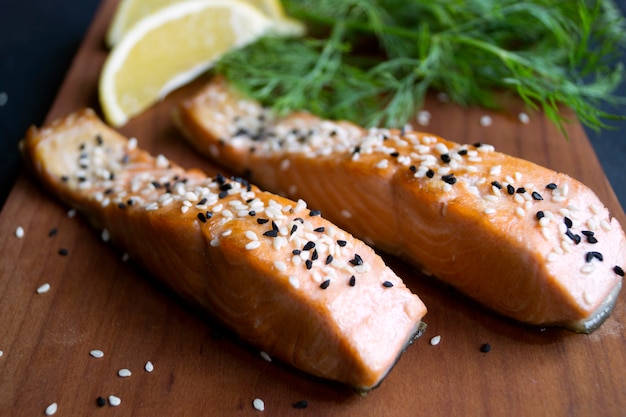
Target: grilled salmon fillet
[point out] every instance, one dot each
(278, 274)
(527, 242)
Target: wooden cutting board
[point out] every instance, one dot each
(98, 301)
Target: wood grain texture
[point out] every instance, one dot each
(97, 301)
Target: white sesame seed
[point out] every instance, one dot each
(51, 409)
(606, 226)
(447, 187)
(105, 235)
(434, 341)
(490, 210)
(96, 353)
(284, 165)
(423, 117)
(124, 373)
(148, 367)
(265, 356)
(520, 212)
(382, 164)
(294, 281)
(280, 265)
(485, 121)
(114, 401)
(43, 288)
(441, 148)
(252, 245)
(71, 213)
(545, 232)
(251, 235)
(258, 404)
(544, 221)
(1, 353)
(551, 257)
(184, 209)
(519, 199)
(558, 198)
(132, 144)
(587, 268)
(19, 232)
(161, 161)
(523, 118)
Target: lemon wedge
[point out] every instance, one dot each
(171, 47)
(129, 12)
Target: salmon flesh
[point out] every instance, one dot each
(525, 241)
(280, 276)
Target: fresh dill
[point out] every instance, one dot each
(373, 62)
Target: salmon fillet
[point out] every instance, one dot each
(527, 242)
(280, 276)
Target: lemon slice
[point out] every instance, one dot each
(171, 47)
(129, 12)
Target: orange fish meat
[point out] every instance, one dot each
(525, 241)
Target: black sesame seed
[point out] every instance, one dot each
(356, 150)
(536, 196)
(308, 263)
(589, 256)
(64, 178)
(510, 189)
(293, 229)
(201, 217)
(462, 152)
(296, 251)
(226, 187)
(125, 159)
(445, 157)
(208, 214)
(618, 270)
(314, 255)
(157, 185)
(63, 252)
(394, 154)
(274, 226)
(329, 259)
(387, 284)
(485, 347)
(202, 202)
(315, 213)
(520, 190)
(319, 229)
(568, 222)
(592, 240)
(449, 179)
(262, 221)
(129, 202)
(252, 213)
(53, 232)
(81, 146)
(413, 168)
(333, 133)
(576, 238)
(430, 173)
(309, 245)
(352, 281)
(540, 215)
(496, 184)
(551, 186)
(302, 404)
(342, 243)
(220, 179)
(108, 191)
(101, 402)
(357, 260)
(223, 194)
(325, 284)
(478, 144)
(121, 205)
(271, 233)
(587, 233)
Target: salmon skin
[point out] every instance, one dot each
(279, 275)
(525, 241)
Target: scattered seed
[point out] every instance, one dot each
(352, 281)
(523, 118)
(124, 373)
(101, 402)
(96, 353)
(387, 284)
(486, 121)
(51, 409)
(265, 356)
(63, 252)
(618, 270)
(44, 288)
(300, 405)
(53, 232)
(258, 404)
(114, 400)
(434, 341)
(19, 232)
(71, 213)
(148, 367)
(485, 347)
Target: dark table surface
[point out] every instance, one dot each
(38, 40)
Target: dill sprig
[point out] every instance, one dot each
(373, 62)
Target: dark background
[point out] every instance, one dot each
(38, 40)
